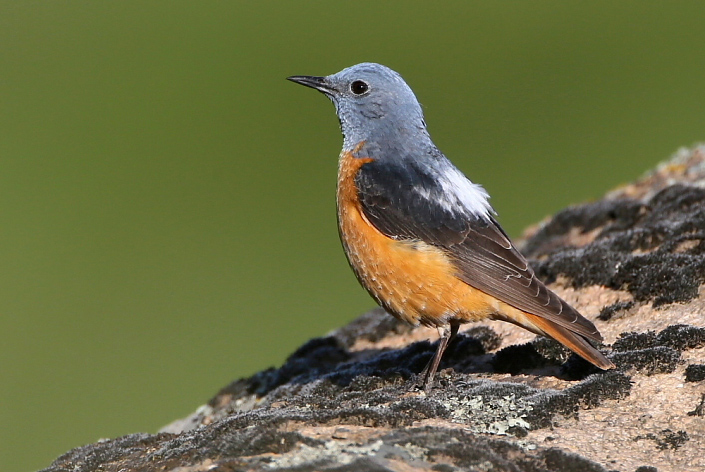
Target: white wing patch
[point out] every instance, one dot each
(472, 196)
(458, 191)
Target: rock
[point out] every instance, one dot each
(634, 263)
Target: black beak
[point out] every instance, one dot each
(318, 83)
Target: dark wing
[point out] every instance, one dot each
(416, 201)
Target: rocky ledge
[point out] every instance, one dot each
(634, 263)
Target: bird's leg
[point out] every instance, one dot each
(446, 336)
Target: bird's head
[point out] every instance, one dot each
(372, 102)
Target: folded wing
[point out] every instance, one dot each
(411, 200)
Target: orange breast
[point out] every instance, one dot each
(412, 280)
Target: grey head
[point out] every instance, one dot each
(373, 104)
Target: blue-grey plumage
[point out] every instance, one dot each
(420, 236)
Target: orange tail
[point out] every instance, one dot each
(572, 341)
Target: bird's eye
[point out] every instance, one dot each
(359, 87)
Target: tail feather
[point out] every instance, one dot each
(575, 342)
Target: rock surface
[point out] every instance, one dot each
(634, 263)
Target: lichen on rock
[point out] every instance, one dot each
(634, 263)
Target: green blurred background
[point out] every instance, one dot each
(167, 219)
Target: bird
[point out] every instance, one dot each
(423, 239)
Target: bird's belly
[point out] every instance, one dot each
(412, 280)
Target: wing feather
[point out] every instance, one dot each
(408, 200)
